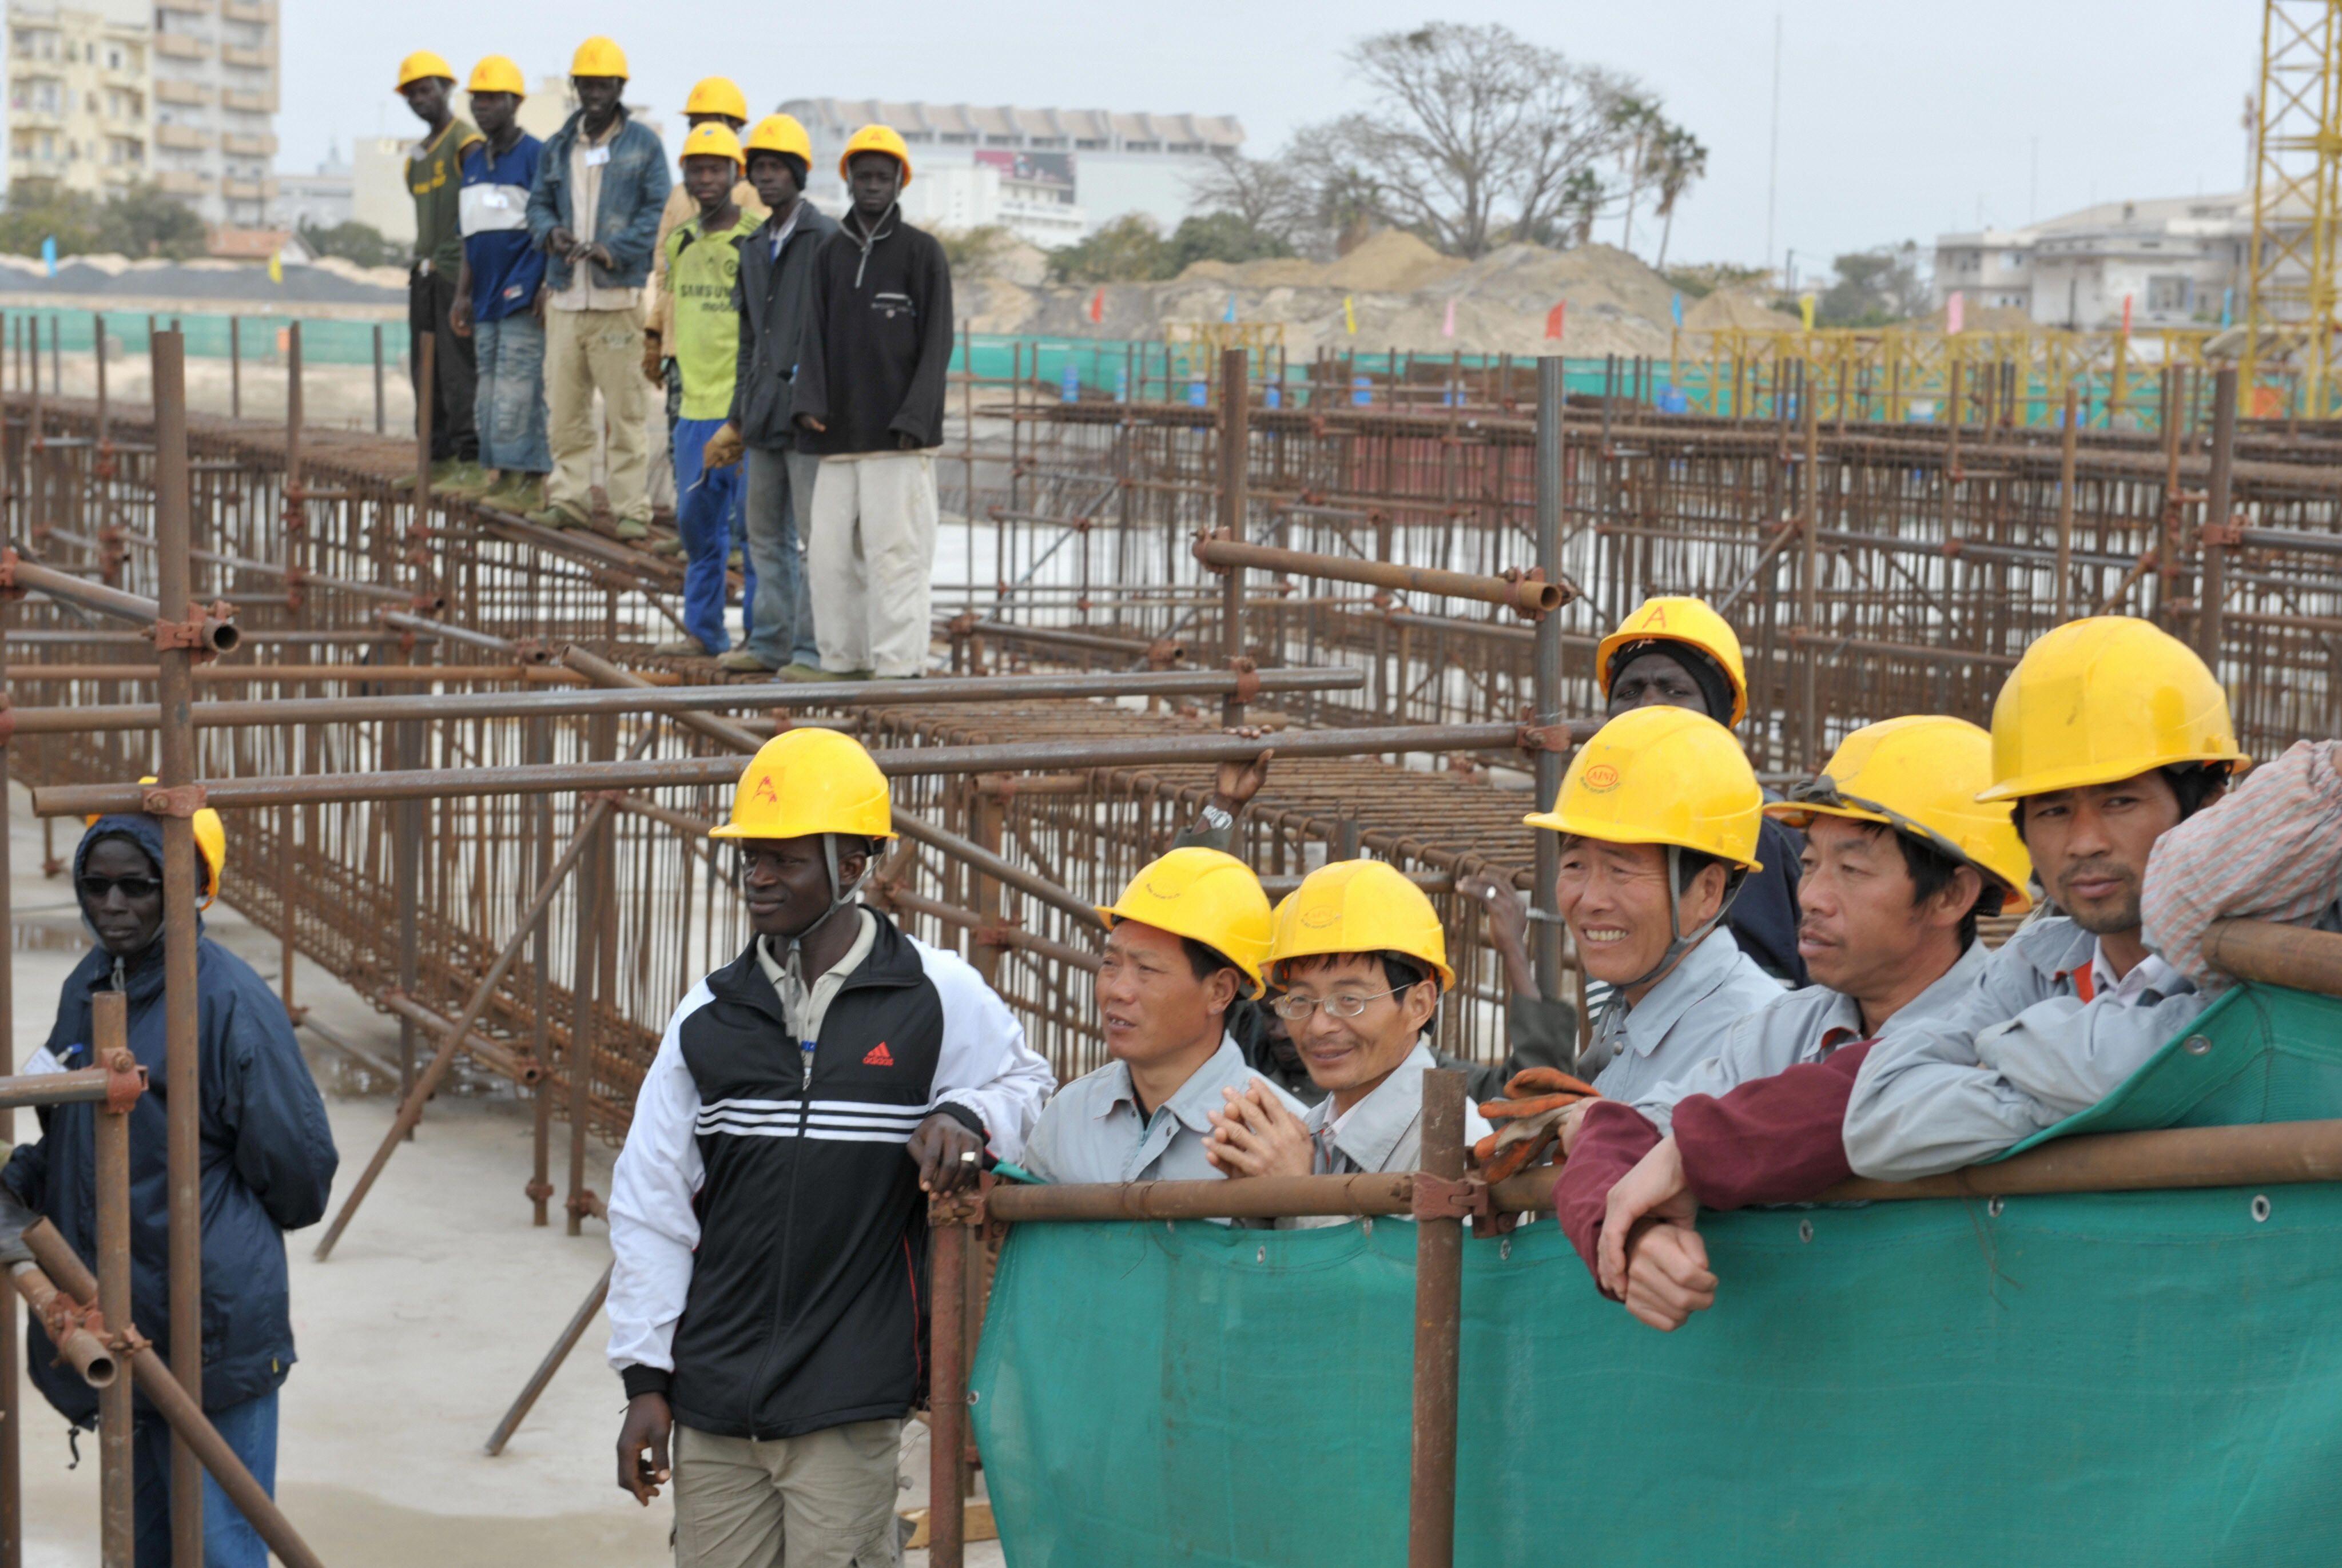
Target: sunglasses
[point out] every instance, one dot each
(95, 888)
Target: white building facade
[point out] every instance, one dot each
(79, 89)
(2179, 262)
(1050, 177)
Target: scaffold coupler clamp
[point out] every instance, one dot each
(1466, 1198)
(1247, 675)
(175, 800)
(1211, 536)
(126, 1081)
(199, 634)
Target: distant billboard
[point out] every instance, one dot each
(1042, 176)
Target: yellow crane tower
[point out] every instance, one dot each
(2290, 297)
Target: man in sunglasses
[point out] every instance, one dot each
(268, 1162)
(1900, 863)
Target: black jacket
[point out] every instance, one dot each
(268, 1159)
(873, 367)
(769, 1230)
(775, 302)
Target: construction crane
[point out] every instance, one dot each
(2290, 294)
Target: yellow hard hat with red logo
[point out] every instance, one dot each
(780, 133)
(1206, 896)
(718, 95)
(1359, 907)
(497, 73)
(2103, 699)
(875, 139)
(1662, 776)
(1690, 622)
(211, 843)
(711, 139)
(599, 57)
(1920, 774)
(421, 66)
(807, 781)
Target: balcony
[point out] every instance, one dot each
(182, 138)
(262, 12)
(169, 90)
(248, 190)
(180, 46)
(192, 7)
(246, 59)
(248, 100)
(248, 146)
(36, 119)
(183, 182)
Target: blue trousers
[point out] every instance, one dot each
(229, 1541)
(707, 514)
(780, 517)
(510, 406)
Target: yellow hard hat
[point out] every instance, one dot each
(1679, 620)
(781, 134)
(496, 73)
(710, 140)
(2104, 699)
(1666, 776)
(718, 95)
(598, 57)
(421, 66)
(806, 781)
(1920, 774)
(1205, 895)
(211, 843)
(875, 139)
(1359, 907)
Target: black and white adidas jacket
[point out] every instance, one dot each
(769, 1234)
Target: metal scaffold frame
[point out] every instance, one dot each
(2291, 290)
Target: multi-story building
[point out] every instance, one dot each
(2178, 261)
(1051, 176)
(215, 106)
(320, 200)
(78, 93)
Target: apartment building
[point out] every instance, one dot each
(215, 106)
(2178, 261)
(79, 90)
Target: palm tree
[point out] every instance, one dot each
(1641, 128)
(1681, 159)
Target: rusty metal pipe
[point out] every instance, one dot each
(58, 1262)
(1147, 751)
(219, 635)
(84, 1350)
(315, 674)
(648, 698)
(571, 1333)
(422, 626)
(995, 933)
(2276, 955)
(1256, 1198)
(1438, 1335)
(110, 1043)
(85, 1086)
(1088, 642)
(1527, 595)
(948, 1393)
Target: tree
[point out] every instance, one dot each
(1267, 194)
(138, 221)
(40, 210)
(361, 245)
(1218, 236)
(977, 251)
(1128, 250)
(144, 222)
(1682, 158)
(1872, 288)
(1471, 135)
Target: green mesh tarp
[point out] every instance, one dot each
(2140, 1378)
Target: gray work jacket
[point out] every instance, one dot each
(1680, 1023)
(1091, 1131)
(2024, 1053)
(1383, 1131)
(1804, 1026)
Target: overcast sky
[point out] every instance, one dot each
(1899, 120)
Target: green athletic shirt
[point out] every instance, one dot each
(434, 178)
(701, 270)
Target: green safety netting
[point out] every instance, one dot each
(2145, 1378)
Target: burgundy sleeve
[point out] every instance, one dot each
(1611, 1141)
(1776, 1139)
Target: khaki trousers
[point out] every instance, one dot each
(871, 557)
(829, 1497)
(586, 351)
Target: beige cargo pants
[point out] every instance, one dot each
(871, 559)
(829, 1497)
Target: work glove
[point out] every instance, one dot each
(1527, 1120)
(724, 448)
(15, 1219)
(654, 359)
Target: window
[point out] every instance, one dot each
(1089, 144)
(956, 139)
(1183, 147)
(1142, 146)
(2170, 293)
(999, 141)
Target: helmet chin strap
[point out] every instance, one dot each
(1678, 943)
(840, 897)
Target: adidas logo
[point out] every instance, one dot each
(879, 1056)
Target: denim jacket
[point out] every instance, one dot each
(633, 190)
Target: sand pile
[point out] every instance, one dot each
(1736, 309)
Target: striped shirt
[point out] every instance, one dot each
(2270, 850)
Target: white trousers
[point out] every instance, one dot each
(871, 558)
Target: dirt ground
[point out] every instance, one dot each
(439, 1301)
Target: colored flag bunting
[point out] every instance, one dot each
(1230, 315)
(49, 255)
(1350, 315)
(276, 266)
(1955, 311)
(1098, 306)
(1447, 327)
(1677, 307)
(1805, 310)
(1556, 319)
(2126, 326)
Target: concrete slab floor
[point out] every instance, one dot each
(439, 1303)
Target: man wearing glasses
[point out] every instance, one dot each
(268, 1160)
(1361, 960)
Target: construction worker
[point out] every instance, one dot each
(601, 182)
(713, 101)
(268, 1162)
(776, 268)
(497, 291)
(870, 390)
(2109, 733)
(1679, 653)
(1184, 942)
(1901, 862)
(1659, 817)
(767, 1219)
(1358, 955)
(434, 176)
(703, 267)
